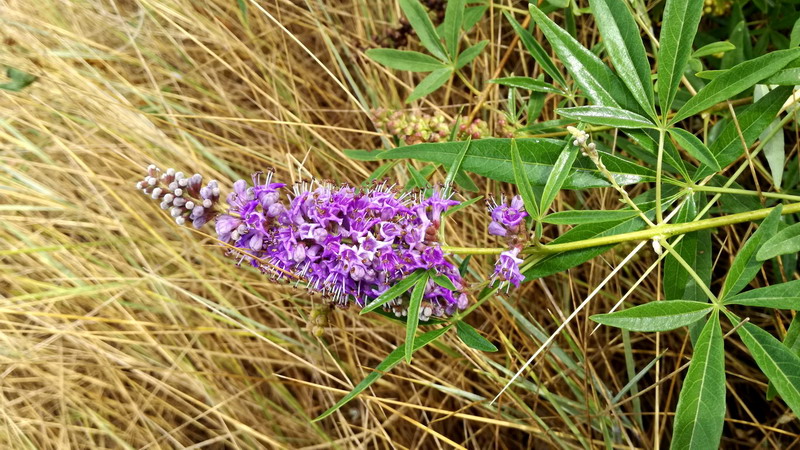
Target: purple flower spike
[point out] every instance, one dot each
(507, 267)
(348, 244)
(185, 197)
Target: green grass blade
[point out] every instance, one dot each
(386, 365)
(736, 80)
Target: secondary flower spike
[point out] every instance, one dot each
(508, 221)
(349, 244)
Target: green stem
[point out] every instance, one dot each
(702, 284)
(722, 190)
(659, 164)
(663, 230)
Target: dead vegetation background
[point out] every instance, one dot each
(120, 330)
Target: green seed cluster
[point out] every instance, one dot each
(416, 127)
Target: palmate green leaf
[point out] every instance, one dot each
(404, 60)
(472, 339)
(700, 414)
(626, 50)
(727, 147)
(785, 77)
(528, 83)
(386, 365)
(491, 158)
(400, 288)
(412, 320)
(791, 342)
(694, 147)
(777, 362)
(595, 79)
(656, 316)
(558, 175)
(648, 140)
(746, 266)
(778, 296)
(469, 54)
(739, 37)
(536, 50)
(472, 15)
(588, 216)
(713, 48)
(453, 18)
(772, 139)
(606, 116)
(786, 241)
(523, 184)
(432, 82)
(679, 26)
(695, 249)
(735, 80)
(709, 74)
(417, 16)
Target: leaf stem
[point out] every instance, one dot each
(664, 230)
(659, 164)
(702, 284)
(723, 190)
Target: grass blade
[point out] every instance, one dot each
(390, 362)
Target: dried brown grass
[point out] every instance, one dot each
(120, 330)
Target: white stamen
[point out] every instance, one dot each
(180, 220)
(189, 205)
(178, 192)
(207, 203)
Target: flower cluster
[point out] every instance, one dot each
(185, 197)
(349, 244)
(508, 221)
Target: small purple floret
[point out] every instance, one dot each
(507, 267)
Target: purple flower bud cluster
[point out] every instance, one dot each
(185, 197)
(349, 244)
(508, 221)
